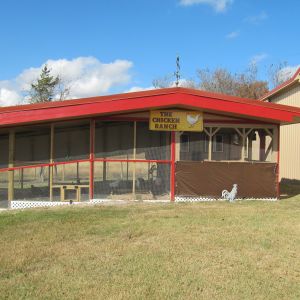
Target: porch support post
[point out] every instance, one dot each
(177, 142)
(275, 143)
(244, 145)
(262, 146)
(250, 156)
(51, 161)
(134, 157)
(243, 133)
(173, 153)
(210, 134)
(92, 156)
(11, 156)
(210, 144)
(277, 134)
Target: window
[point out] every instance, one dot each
(218, 143)
(184, 143)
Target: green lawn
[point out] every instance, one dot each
(218, 250)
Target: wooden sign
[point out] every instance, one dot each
(176, 120)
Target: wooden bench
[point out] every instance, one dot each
(74, 187)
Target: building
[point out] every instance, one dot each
(288, 93)
(167, 144)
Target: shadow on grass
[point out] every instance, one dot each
(289, 188)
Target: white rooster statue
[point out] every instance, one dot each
(230, 195)
(192, 119)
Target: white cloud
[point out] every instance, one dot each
(287, 72)
(258, 58)
(257, 19)
(218, 5)
(8, 97)
(139, 89)
(232, 35)
(86, 76)
(168, 84)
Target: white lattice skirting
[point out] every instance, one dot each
(207, 199)
(98, 201)
(32, 204)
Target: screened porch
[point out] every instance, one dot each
(116, 159)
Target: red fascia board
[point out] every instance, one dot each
(84, 101)
(117, 97)
(256, 103)
(281, 86)
(250, 109)
(134, 95)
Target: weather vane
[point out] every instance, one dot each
(177, 73)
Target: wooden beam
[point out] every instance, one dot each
(239, 132)
(269, 132)
(239, 126)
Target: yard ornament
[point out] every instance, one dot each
(230, 196)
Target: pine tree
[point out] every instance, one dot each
(45, 87)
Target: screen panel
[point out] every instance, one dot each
(4, 150)
(131, 180)
(32, 184)
(32, 145)
(152, 145)
(3, 189)
(114, 140)
(72, 141)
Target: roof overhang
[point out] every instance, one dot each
(149, 100)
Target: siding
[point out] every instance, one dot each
(289, 137)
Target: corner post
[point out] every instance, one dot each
(134, 157)
(173, 154)
(51, 160)
(11, 157)
(278, 161)
(92, 157)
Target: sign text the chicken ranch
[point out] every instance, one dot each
(170, 120)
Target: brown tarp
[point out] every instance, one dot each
(209, 179)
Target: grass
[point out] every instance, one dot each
(245, 250)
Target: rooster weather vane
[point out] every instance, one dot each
(177, 73)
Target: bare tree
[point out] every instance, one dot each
(163, 82)
(168, 81)
(244, 84)
(275, 74)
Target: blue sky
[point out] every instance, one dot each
(103, 47)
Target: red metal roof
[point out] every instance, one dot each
(281, 86)
(146, 100)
